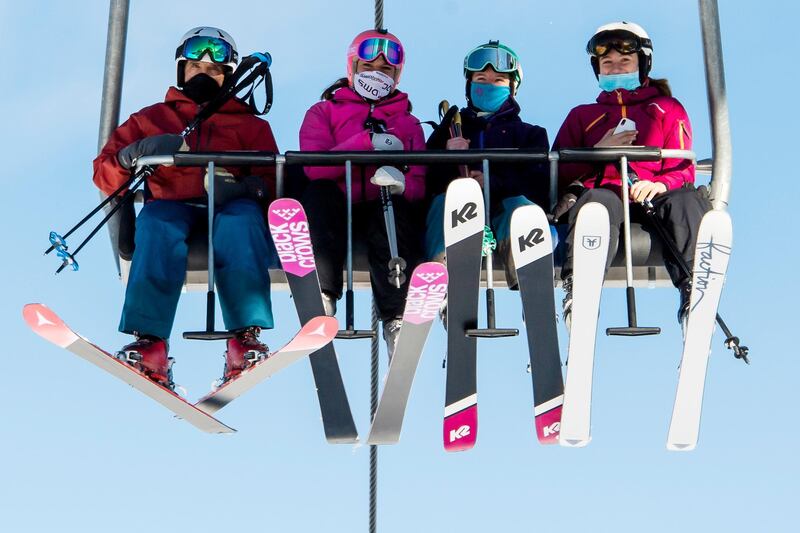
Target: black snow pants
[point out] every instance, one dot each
(680, 212)
(326, 208)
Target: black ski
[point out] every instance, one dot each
(289, 227)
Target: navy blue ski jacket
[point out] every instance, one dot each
(503, 129)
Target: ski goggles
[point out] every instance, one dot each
(623, 42)
(218, 50)
(499, 59)
(370, 49)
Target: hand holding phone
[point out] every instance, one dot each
(625, 124)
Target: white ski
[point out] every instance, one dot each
(426, 292)
(590, 249)
(714, 242)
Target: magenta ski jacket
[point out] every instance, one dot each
(660, 120)
(338, 125)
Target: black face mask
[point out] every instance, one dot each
(201, 88)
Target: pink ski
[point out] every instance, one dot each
(47, 324)
(317, 332)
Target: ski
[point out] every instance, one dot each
(532, 248)
(46, 323)
(289, 228)
(315, 334)
(713, 250)
(427, 290)
(590, 249)
(463, 236)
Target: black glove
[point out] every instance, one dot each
(165, 144)
(566, 201)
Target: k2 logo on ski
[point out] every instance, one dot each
(430, 277)
(459, 433)
(533, 238)
(468, 212)
(552, 429)
(591, 242)
(286, 214)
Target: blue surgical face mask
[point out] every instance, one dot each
(488, 97)
(629, 81)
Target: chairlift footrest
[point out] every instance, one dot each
(633, 331)
(356, 334)
(208, 335)
(492, 333)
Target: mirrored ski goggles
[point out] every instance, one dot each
(622, 41)
(370, 49)
(196, 47)
(500, 60)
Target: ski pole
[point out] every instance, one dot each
(455, 129)
(397, 264)
(732, 342)
(60, 242)
(632, 330)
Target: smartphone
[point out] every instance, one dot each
(625, 124)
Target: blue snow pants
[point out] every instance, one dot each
(243, 253)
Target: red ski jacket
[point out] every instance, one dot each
(233, 127)
(660, 120)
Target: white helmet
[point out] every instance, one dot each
(625, 37)
(207, 44)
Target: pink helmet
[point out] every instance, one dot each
(370, 44)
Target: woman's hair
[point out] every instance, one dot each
(327, 94)
(662, 85)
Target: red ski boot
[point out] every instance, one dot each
(149, 355)
(244, 350)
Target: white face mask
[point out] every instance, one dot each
(373, 85)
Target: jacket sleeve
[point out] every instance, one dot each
(316, 135)
(263, 140)
(109, 175)
(571, 136)
(675, 173)
(415, 177)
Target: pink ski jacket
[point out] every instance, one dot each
(338, 125)
(660, 120)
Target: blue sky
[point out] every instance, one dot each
(81, 452)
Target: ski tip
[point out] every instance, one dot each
(574, 443)
(460, 430)
(343, 439)
(677, 447)
(316, 333)
(381, 441)
(45, 323)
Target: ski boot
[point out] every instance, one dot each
(243, 351)
(329, 303)
(443, 313)
(391, 331)
(148, 354)
(566, 303)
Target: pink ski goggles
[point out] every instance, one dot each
(370, 49)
